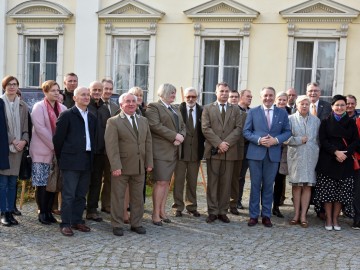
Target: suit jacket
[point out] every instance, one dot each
(193, 141)
(323, 109)
(125, 150)
(4, 145)
(241, 142)
(41, 145)
(113, 107)
(215, 131)
(163, 130)
(70, 139)
(256, 126)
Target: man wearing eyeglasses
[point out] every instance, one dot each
(187, 168)
(318, 107)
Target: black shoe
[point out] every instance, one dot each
(211, 218)
(13, 221)
(139, 230)
(276, 212)
(50, 217)
(356, 226)
(118, 231)
(178, 213)
(234, 211)
(43, 219)
(16, 212)
(239, 205)
(5, 219)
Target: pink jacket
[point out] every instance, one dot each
(41, 145)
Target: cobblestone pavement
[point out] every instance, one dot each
(186, 243)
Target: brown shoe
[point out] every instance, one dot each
(211, 218)
(267, 222)
(252, 222)
(80, 227)
(224, 218)
(66, 231)
(234, 211)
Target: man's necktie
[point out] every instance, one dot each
(191, 120)
(268, 118)
(108, 105)
(176, 118)
(134, 126)
(223, 112)
(313, 109)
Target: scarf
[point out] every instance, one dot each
(53, 113)
(339, 116)
(13, 120)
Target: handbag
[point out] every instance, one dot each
(25, 165)
(54, 183)
(356, 161)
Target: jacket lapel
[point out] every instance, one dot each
(228, 112)
(168, 112)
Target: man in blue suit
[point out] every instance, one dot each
(266, 128)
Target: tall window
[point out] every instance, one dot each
(41, 61)
(131, 64)
(315, 62)
(220, 62)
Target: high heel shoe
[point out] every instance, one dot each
(328, 228)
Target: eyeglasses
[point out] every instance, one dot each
(191, 97)
(12, 85)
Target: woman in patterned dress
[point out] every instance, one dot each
(44, 115)
(335, 169)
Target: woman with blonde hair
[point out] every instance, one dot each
(44, 115)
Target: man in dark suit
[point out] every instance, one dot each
(187, 167)
(102, 113)
(221, 126)
(319, 108)
(266, 128)
(74, 143)
(292, 95)
(129, 148)
(108, 88)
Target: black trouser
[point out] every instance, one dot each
(95, 183)
(244, 168)
(278, 188)
(356, 202)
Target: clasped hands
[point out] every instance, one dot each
(223, 147)
(268, 141)
(178, 139)
(340, 155)
(19, 145)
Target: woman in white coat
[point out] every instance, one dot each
(302, 157)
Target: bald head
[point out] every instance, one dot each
(96, 89)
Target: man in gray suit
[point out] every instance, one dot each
(108, 87)
(318, 107)
(221, 126)
(129, 148)
(192, 152)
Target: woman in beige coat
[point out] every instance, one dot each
(16, 113)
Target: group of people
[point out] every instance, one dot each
(104, 150)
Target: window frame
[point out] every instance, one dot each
(314, 67)
(221, 65)
(133, 64)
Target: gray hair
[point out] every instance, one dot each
(122, 97)
(302, 98)
(190, 89)
(78, 89)
(165, 90)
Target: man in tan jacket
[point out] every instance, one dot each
(129, 149)
(221, 126)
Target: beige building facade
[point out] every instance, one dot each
(247, 43)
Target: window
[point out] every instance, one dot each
(41, 61)
(316, 62)
(131, 64)
(221, 61)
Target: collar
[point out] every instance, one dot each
(265, 108)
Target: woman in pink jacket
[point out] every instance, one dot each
(44, 115)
